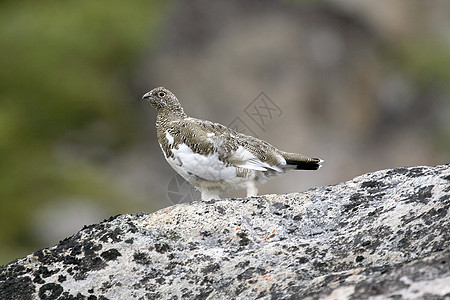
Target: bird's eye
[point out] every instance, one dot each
(161, 94)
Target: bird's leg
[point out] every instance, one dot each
(208, 194)
(252, 190)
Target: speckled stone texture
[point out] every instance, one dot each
(380, 235)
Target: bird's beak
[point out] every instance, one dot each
(146, 96)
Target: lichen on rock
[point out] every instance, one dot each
(383, 234)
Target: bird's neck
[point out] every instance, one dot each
(172, 113)
(165, 116)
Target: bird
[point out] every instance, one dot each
(214, 158)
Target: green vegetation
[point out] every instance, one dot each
(63, 84)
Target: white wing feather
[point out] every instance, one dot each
(245, 159)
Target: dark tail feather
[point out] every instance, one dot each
(302, 162)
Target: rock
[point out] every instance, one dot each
(383, 234)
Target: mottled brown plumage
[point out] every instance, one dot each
(215, 158)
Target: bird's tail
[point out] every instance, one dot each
(301, 162)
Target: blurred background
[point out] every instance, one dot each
(364, 85)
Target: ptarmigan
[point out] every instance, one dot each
(214, 158)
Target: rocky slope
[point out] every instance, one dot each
(383, 234)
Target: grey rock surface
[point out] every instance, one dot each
(381, 235)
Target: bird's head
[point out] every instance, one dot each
(163, 100)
